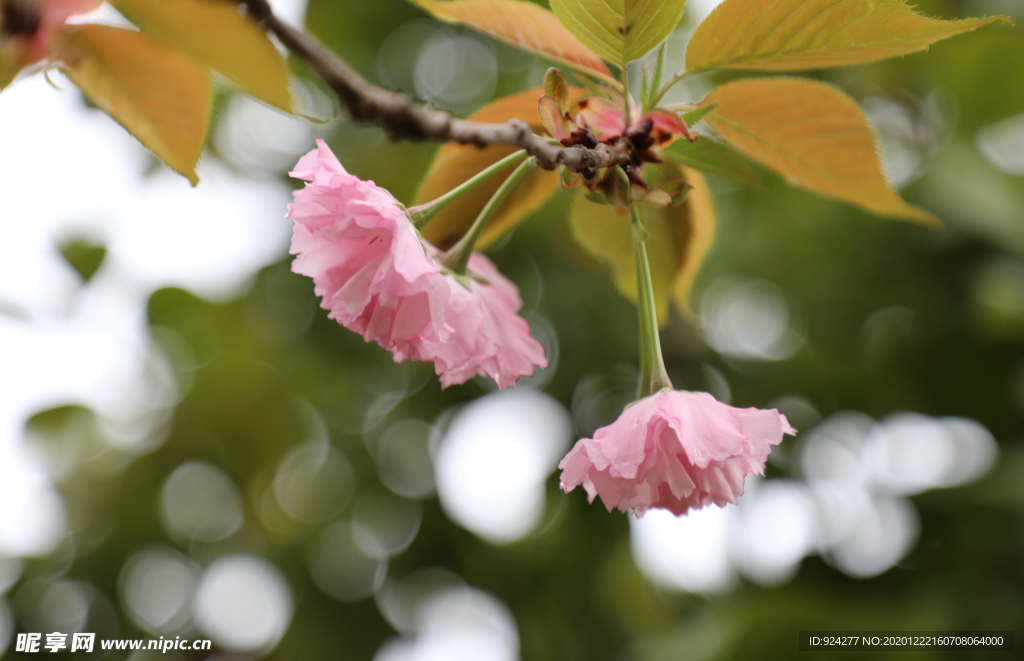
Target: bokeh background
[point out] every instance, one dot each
(189, 447)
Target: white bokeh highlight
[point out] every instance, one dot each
(748, 320)
(688, 553)
(292, 12)
(345, 567)
(456, 69)
(53, 605)
(909, 453)
(772, 530)
(1002, 144)
(243, 603)
(403, 458)
(157, 586)
(200, 502)
(384, 524)
(10, 572)
(401, 601)
(493, 461)
(33, 519)
(314, 482)
(259, 140)
(77, 173)
(458, 623)
(850, 506)
(880, 532)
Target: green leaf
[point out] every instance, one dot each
(814, 136)
(715, 158)
(619, 30)
(553, 119)
(694, 225)
(556, 86)
(160, 96)
(84, 256)
(679, 238)
(694, 116)
(786, 35)
(650, 99)
(521, 24)
(7, 72)
(645, 85)
(214, 33)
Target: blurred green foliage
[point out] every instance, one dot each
(246, 367)
(84, 256)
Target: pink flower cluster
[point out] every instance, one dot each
(378, 278)
(676, 450)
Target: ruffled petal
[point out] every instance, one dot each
(674, 450)
(365, 258)
(488, 336)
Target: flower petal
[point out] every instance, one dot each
(365, 257)
(603, 118)
(674, 450)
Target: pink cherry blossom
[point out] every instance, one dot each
(365, 257)
(677, 450)
(484, 333)
(379, 278)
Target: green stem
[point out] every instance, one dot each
(668, 85)
(421, 214)
(653, 376)
(659, 70)
(457, 258)
(625, 94)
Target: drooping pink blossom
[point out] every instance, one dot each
(676, 450)
(379, 278)
(365, 257)
(484, 334)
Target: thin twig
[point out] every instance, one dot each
(405, 118)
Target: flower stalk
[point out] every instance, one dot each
(653, 376)
(421, 214)
(457, 257)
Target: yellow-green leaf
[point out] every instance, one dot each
(456, 163)
(556, 86)
(7, 73)
(785, 35)
(160, 96)
(678, 240)
(694, 224)
(214, 33)
(715, 158)
(619, 30)
(814, 136)
(521, 24)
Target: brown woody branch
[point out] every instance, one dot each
(404, 118)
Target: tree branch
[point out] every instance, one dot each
(405, 118)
